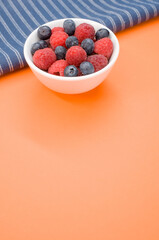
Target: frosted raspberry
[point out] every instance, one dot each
(99, 61)
(57, 68)
(57, 29)
(43, 58)
(104, 46)
(75, 55)
(83, 31)
(58, 39)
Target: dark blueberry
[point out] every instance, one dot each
(71, 41)
(60, 52)
(69, 26)
(102, 33)
(44, 32)
(86, 68)
(38, 45)
(43, 43)
(88, 45)
(70, 71)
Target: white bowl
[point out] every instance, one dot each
(71, 85)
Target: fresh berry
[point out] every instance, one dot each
(58, 67)
(104, 46)
(71, 71)
(83, 31)
(57, 29)
(88, 45)
(43, 44)
(38, 45)
(75, 55)
(58, 39)
(79, 72)
(71, 41)
(43, 58)
(69, 26)
(72, 51)
(102, 33)
(99, 61)
(86, 68)
(44, 32)
(60, 52)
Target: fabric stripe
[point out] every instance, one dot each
(110, 12)
(112, 23)
(67, 8)
(47, 10)
(144, 9)
(84, 14)
(10, 32)
(152, 6)
(18, 18)
(10, 65)
(134, 9)
(100, 15)
(13, 21)
(57, 9)
(119, 10)
(37, 10)
(14, 50)
(1, 70)
(28, 13)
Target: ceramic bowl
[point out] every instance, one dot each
(71, 85)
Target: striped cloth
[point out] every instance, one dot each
(20, 17)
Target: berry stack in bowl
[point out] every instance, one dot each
(72, 51)
(76, 54)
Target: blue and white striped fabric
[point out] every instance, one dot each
(20, 17)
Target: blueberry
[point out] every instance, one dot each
(86, 68)
(88, 45)
(60, 52)
(70, 71)
(69, 26)
(44, 32)
(43, 43)
(102, 33)
(71, 41)
(38, 45)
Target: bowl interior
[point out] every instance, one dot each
(59, 23)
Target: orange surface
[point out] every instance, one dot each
(84, 167)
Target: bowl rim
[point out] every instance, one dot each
(64, 78)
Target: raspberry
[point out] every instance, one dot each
(57, 29)
(83, 31)
(58, 39)
(99, 61)
(75, 55)
(104, 46)
(58, 67)
(79, 72)
(43, 58)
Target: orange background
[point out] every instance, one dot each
(84, 167)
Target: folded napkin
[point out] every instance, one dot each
(18, 18)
